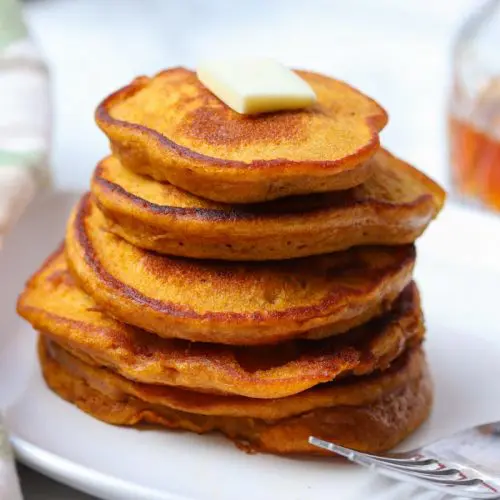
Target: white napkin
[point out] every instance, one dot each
(24, 140)
(24, 116)
(9, 484)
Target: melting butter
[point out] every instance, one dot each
(251, 86)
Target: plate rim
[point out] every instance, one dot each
(77, 476)
(110, 487)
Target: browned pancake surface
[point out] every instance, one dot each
(394, 206)
(54, 304)
(173, 129)
(228, 302)
(373, 427)
(350, 391)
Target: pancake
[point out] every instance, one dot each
(53, 303)
(350, 391)
(373, 427)
(170, 127)
(393, 207)
(228, 302)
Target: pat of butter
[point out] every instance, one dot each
(256, 85)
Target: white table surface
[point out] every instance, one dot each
(399, 52)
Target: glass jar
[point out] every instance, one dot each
(474, 113)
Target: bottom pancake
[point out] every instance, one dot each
(374, 427)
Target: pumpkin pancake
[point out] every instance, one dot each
(171, 128)
(229, 302)
(403, 403)
(350, 391)
(393, 207)
(54, 304)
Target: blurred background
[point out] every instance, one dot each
(398, 52)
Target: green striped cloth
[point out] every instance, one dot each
(24, 116)
(11, 22)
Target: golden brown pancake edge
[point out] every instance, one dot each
(146, 150)
(350, 391)
(393, 207)
(374, 427)
(233, 303)
(53, 303)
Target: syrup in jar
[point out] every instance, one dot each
(474, 112)
(475, 148)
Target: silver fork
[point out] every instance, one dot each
(466, 464)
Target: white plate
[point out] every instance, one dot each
(459, 274)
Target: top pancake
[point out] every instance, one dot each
(173, 129)
(228, 302)
(393, 207)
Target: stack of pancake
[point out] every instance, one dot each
(248, 275)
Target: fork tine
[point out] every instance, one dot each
(365, 458)
(418, 460)
(443, 472)
(335, 448)
(357, 455)
(450, 482)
